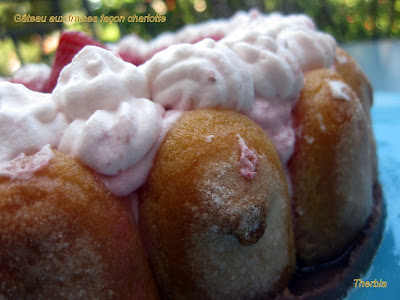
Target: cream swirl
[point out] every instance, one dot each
(277, 50)
(275, 70)
(131, 48)
(313, 49)
(206, 74)
(97, 79)
(28, 121)
(193, 33)
(113, 125)
(190, 33)
(134, 177)
(275, 23)
(112, 141)
(33, 76)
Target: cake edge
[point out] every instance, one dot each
(335, 279)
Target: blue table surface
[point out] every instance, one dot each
(386, 265)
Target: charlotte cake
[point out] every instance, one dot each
(240, 150)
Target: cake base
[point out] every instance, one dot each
(334, 279)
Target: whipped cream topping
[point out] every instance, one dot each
(97, 79)
(275, 119)
(112, 141)
(134, 177)
(33, 76)
(206, 74)
(113, 124)
(28, 121)
(189, 34)
(131, 48)
(137, 50)
(193, 33)
(297, 33)
(107, 113)
(278, 80)
(275, 70)
(277, 50)
(274, 24)
(23, 167)
(159, 43)
(312, 49)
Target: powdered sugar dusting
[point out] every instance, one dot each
(23, 167)
(219, 191)
(235, 213)
(214, 190)
(248, 160)
(223, 266)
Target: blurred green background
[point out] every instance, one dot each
(347, 20)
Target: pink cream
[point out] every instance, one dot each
(23, 167)
(248, 160)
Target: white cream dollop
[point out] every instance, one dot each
(134, 177)
(32, 75)
(206, 74)
(97, 79)
(275, 71)
(112, 125)
(110, 142)
(297, 33)
(28, 121)
(190, 34)
(275, 23)
(278, 49)
(313, 49)
(132, 48)
(193, 33)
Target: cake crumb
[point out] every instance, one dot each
(342, 59)
(209, 138)
(337, 90)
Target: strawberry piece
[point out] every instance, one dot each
(69, 45)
